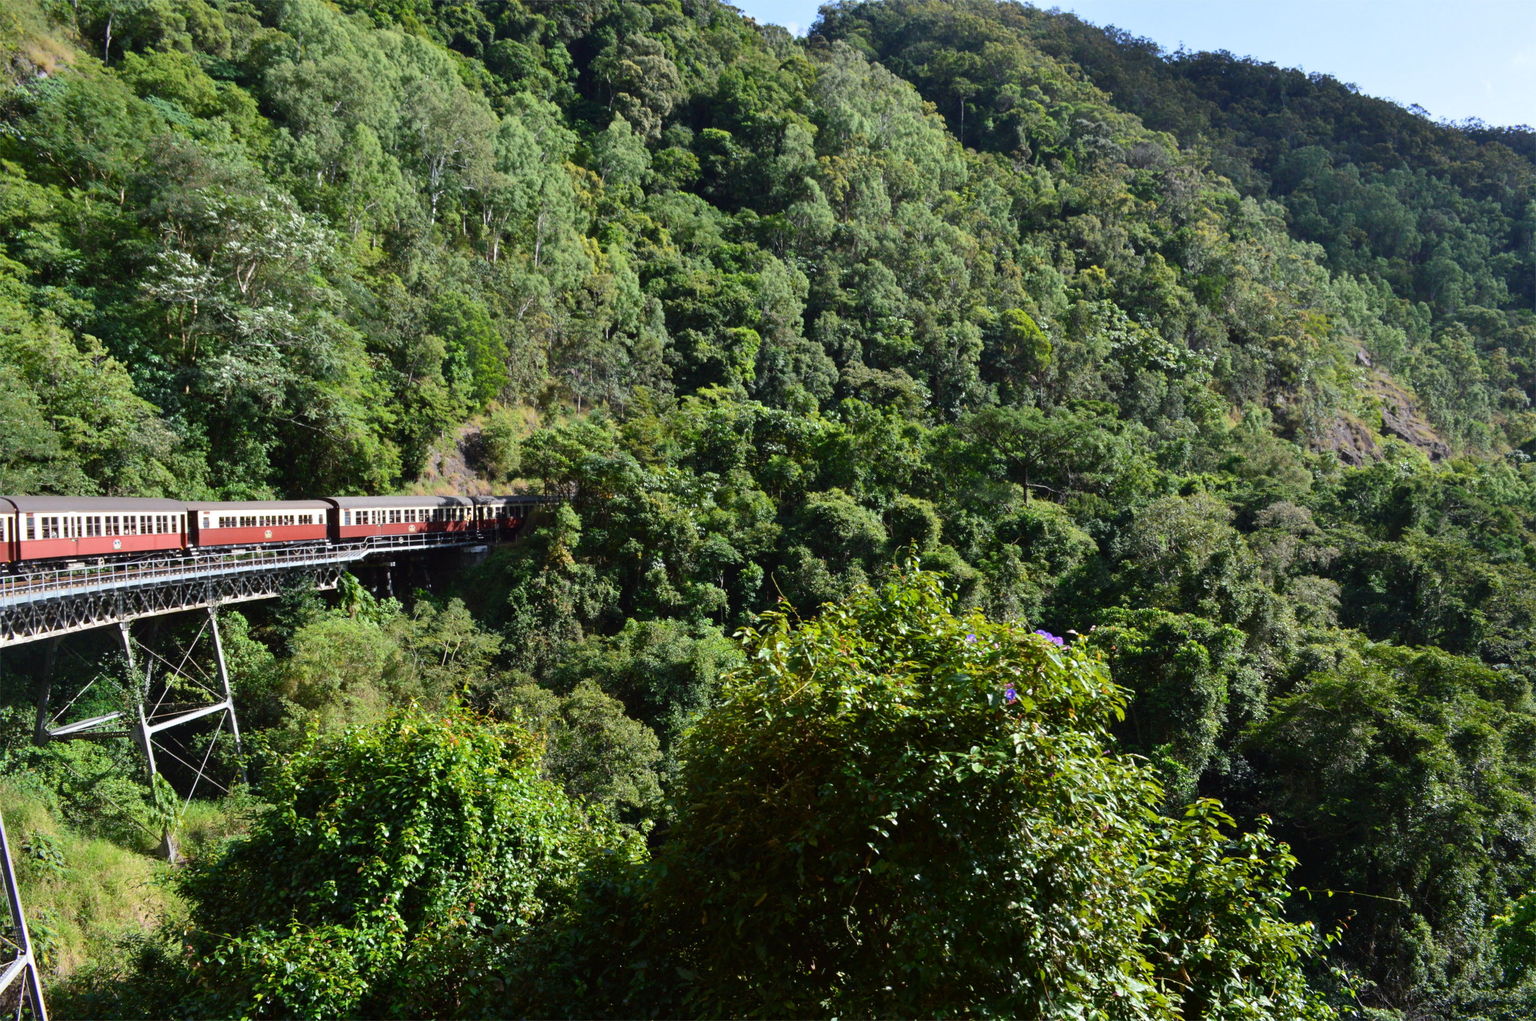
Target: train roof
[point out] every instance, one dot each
(93, 504)
(520, 498)
(401, 501)
(261, 505)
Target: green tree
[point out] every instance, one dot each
(398, 864)
(897, 811)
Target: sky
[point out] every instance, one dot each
(1458, 60)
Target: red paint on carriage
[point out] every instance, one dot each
(363, 531)
(99, 546)
(256, 536)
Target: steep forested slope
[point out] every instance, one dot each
(1226, 368)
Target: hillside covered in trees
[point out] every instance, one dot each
(870, 363)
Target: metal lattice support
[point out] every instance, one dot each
(159, 684)
(20, 960)
(127, 596)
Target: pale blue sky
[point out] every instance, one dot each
(1457, 59)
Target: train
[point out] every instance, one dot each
(36, 530)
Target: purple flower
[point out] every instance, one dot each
(1010, 695)
(970, 639)
(1051, 638)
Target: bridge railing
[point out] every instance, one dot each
(63, 582)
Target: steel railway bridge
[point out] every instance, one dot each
(167, 689)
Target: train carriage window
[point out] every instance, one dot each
(93, 526)
(31, 528)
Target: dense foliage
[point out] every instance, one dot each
(897, 812)
(1228, 367)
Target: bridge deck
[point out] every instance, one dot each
(61, 600)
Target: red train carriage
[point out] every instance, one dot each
(51, 527)
(258, 522)
(504, 514)
(361, 517)
(7, 531)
